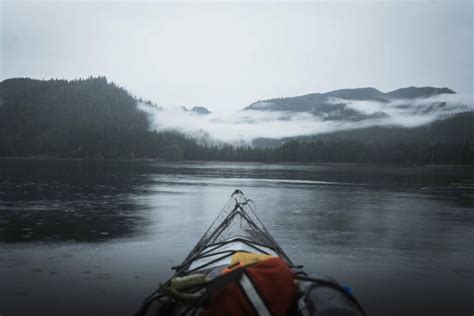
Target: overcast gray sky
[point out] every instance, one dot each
(226, 55)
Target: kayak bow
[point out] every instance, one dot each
(237, 238)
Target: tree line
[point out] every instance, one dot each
(340, 152)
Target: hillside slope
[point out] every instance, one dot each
(456, 129)
(79, 118)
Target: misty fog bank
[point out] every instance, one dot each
(241, 127)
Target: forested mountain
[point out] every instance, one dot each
(80, 118)
(321, 101)
(93, 118)
(336, 105)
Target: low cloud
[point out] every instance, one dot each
(413, 112)
(244, 126)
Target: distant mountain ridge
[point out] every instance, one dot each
(450, 127)
(414, 92)
(197, 109)
(333, 104)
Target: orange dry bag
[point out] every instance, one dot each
(264, 288)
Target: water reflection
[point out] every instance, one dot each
(69, 201)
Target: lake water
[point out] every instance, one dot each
(96, 237)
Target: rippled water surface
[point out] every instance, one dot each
(95, 237)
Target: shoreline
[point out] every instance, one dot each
(52, 158)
